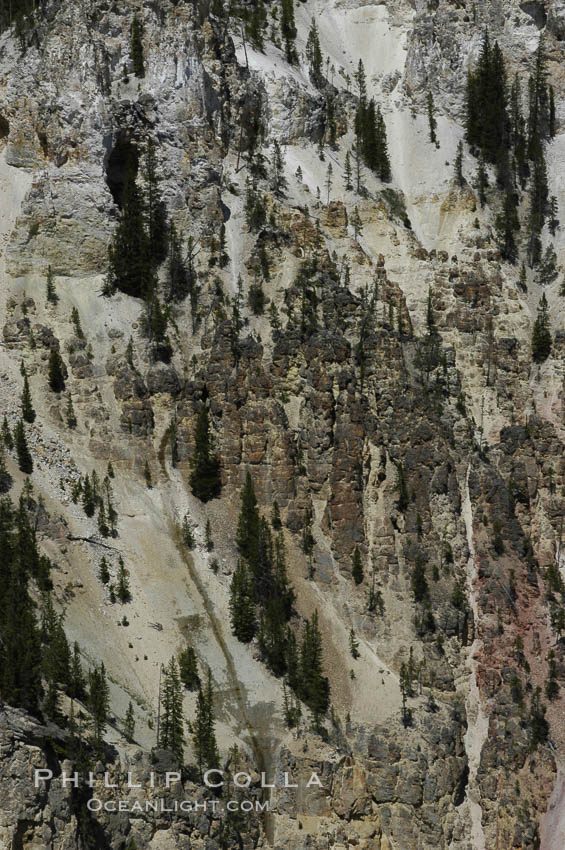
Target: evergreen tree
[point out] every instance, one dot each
(553, 221)
(103, 571)
(538, 209)
(28, 413)
(98, 702)
(25, 462)
(459, 179)
(70, 412)
(20, 656)
(257, 20)
(178, 283)
(482, 181)
(432, 123)
(89, 499)
(77, 689)
(487, 120)
(52, 296)
(154, 208)
(242, 604)
(538, 112)
(204, 735)
(188, 669)
(208, 536)
(136, 47)
(348, 174)
(129, 267)
(507, 223)
(147, 475)
(248, 527)
(75, 319)
(356, 224)
(313, 686)
(353, 644)
(56, 371)
(187, 533)
(129, 723)
(172, 720)
(56, 655)
(541, 334)
(278, 180)
(123, 591)
(205, 480)
(276, 517)
(288, 30)
(7, 437)
(357, 568)
(547, 269)
(314, 54)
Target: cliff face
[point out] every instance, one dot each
(393, 407)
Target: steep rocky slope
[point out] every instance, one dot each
(328, 419)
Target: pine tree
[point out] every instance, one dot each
(98, 702)
(487, 121)
(56, 656)
(537, 214)
(278, 180)
(313, 686)
(123, 590)
(187, 533)
(256, 24)
(541, 334)
(7, 437)
(28, 413)
(56, 371)
(89, 499)
(102, 524)
(188, 669)
(172, 720)
(154, 208)
(248, 527)
(75, 319)
(482, 181)
(77, 689)
(129, 723)
(103, 571)
(357, 568)
(136, 47)
(25, 462)
(129, 267)
(242, 604)
(147, 475)
(547, 269)
(70, 412)
(432, 123)
(553, 221)
(459, 179)
(177, 282)
(538, 112)
(507, 223)
(204, 735)
(205, 480)
(313, 53)
(329, 181)
(52, 296)
(353, 644)
(276, 517)
(208, 536)
(288, 30)
(356, 224)
(348, 174)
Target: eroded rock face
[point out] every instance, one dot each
(391, 410)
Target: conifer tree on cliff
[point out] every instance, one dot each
(129, 267)
(205, 480)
